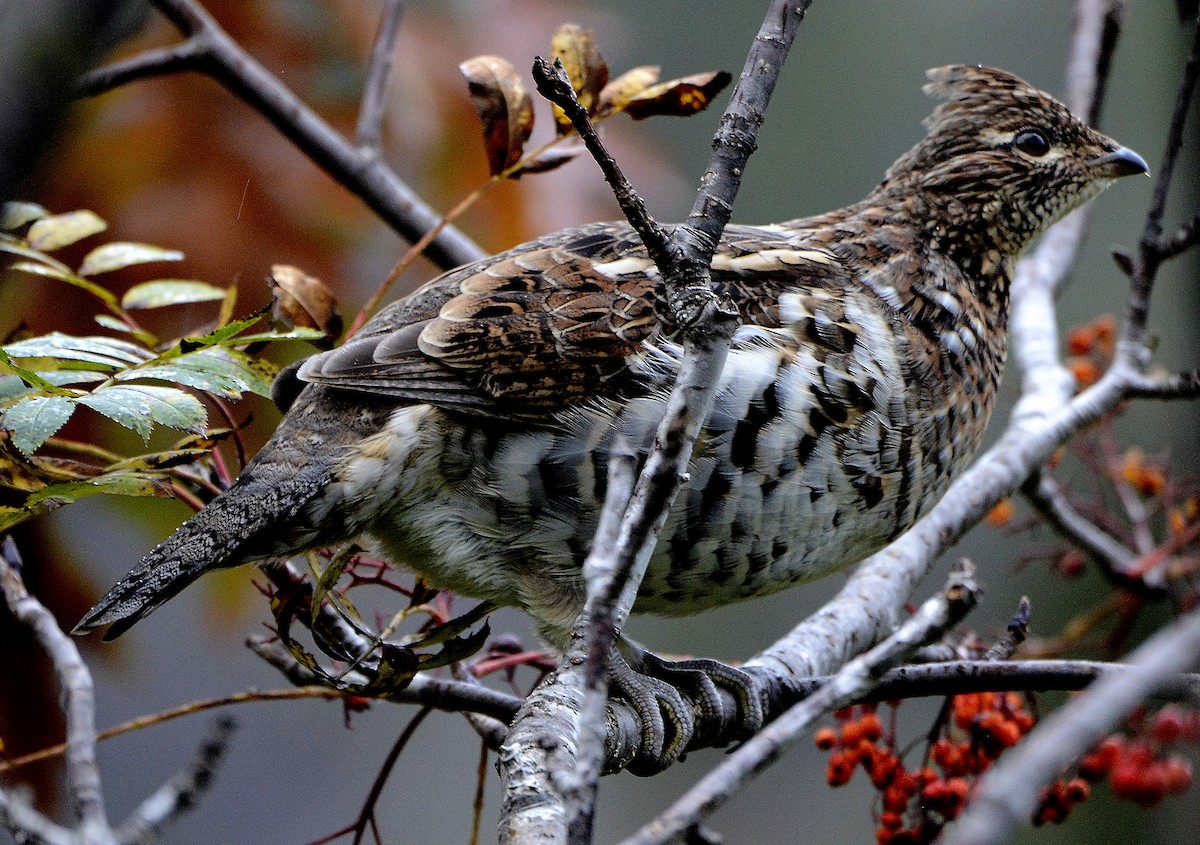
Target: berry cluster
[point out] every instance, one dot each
(915, 804)
(1091, 347)
(1138, 767)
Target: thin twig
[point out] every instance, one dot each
(180, 793)
(368, 133)
(1050, 500)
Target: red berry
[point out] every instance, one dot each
(825, 738)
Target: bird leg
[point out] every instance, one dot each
(672, 698)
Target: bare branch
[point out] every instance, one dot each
(185, 56)
(855, 679)
(1044, 493)
(369, 131)
(1176, 386)
(210, 50)
(1007, 795)
(179, 794)
(79, 705)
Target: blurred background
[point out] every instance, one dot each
(181, 163)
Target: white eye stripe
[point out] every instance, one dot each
(997, 138)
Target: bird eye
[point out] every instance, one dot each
(1031, 142)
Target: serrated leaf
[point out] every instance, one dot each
(678, 97)
(215, 369)
(10, 517)
(17, 475)
(94, 349)
(576, 48)
(35, 420)
(223, 334)
(12, 386)
(138, 406)
(617, 94)
(120, 484)
(14, 215)
(162, 292)
(59, 230)
(30, 377)
(504, 108)
(119, 254)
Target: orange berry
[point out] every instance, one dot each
(825, 738)
(1086, 372)
(1081, 339)
(872, 728)
(891, 820)
(1001, 514)
(840, 768)
(1167, 726)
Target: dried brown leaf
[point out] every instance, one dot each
(616, 95)
(548, 160)
(299, 300)
(678, 97)
(504, 107)
(576, 49)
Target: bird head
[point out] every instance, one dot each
(1003, 160)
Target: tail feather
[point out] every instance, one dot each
(251, 521)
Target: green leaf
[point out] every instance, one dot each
(59, 230)
(39, 269)
(118, 483)
(13, 386)
(215, 369)
(223, 334)
(35, 420)
(119, 254)
(61, 273)
(16, 246)
(12, 516)
(138, 406)
(104, 351)
(297, 333)
(31, 378)
(162, 292)
(14, 215)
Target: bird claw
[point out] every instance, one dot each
(669, 718)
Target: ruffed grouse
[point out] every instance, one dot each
(466, 428)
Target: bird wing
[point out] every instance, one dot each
(552, 322)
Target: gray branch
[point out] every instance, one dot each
(209, 50)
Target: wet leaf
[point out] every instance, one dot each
(35, 420)
(586, 69)
(114, 256)
(59, 230)
(678, 97)
(225, 334)
(617, 94)
(103, 351)
(14, 215)
(139, 406)
(303, 301)
(328, 579)
(215, 369)
(504, 107)
(118, 483)
(162, 292)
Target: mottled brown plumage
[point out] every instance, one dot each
(466, 428)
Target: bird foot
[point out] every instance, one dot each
(672, 698)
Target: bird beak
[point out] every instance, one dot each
(1120, 162)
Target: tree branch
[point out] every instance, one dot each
(210, 50)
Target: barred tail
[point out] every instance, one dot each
(251, 521)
